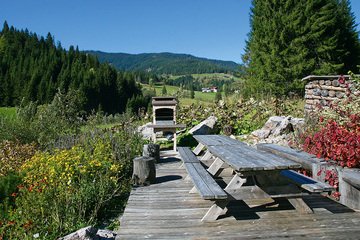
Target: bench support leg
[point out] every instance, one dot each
(193, 190)
(217, 209)
(198, 149)
(300, 205)
(235, 183)
(187, 178)
(206, 156)
(215, 167)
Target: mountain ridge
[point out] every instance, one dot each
(165, 63)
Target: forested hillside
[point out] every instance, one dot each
(33, 68)
(168, 63)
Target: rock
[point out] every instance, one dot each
(205, 127)
(277, 130)
(340, 94)
(261, 133)
(105, 234)
(283, 127)
(332, 93)
(324, 93)
(335, 83)
(90, 233)
(86, 233)
(146, 131)
(316, 92)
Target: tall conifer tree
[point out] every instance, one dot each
(291, 39)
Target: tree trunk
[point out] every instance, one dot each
(152, 150)
(144, 171)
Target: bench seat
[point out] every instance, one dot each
(304, 158)
(203, 181)
(352, 177)
(307, 183)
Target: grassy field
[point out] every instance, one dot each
(207, 76)
(200, 97)
(9, 112)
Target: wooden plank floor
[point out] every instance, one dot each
(166, 210)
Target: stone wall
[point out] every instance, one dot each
(322, 90)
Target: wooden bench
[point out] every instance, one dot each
(305, 159)
(204, 183)
(307, 183)
(352, 177)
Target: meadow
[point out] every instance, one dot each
(200, 97)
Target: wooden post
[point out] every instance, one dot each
(144, 172)
(152, 150)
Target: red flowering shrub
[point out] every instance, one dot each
(337, 142)
(336, 134)
(338, 137)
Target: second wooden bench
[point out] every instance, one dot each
(202, 179)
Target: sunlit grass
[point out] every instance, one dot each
(8, 112)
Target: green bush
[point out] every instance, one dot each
(67, 189)
(241, 116)
(44, 123)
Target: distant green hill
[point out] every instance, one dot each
(166, 63)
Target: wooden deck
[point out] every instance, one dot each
(166, 210)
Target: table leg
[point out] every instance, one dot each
(198, 149)
(300, 205)
(206, 156)
(217, 209)
(215, 167)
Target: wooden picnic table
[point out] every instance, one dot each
(256, 174)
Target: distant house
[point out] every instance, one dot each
(210, 89)
(214, 89)
(205, 90)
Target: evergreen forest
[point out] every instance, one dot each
(33, 68)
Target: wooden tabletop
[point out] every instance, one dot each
(242, 157)
(216, 140)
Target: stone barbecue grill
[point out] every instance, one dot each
(164, 117)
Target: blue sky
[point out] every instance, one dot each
(206, 28)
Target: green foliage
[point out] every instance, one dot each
(199, 81)
(164, 91)
(138, 105)
(165, 63)
(43, 124)
(292, 39)
(218, 96)
(240, 117)
(187, 140)
(7, 112)
(64, 190)
(8, 192)
(33, 68)
(192, 93)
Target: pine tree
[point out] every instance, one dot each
(164, 90)
(218, 96)
(292, 39)
(192, 92)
